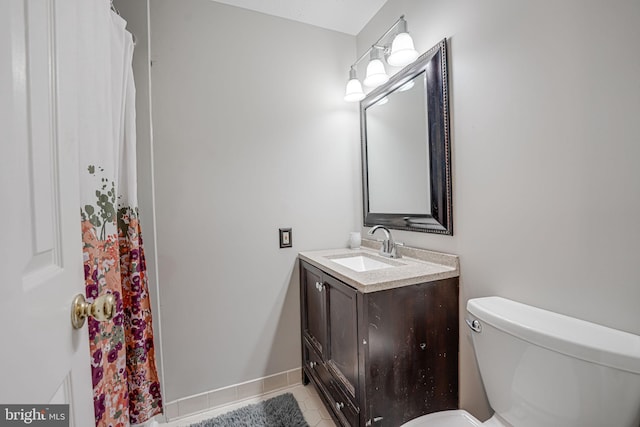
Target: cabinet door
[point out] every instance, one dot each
(342, 321)
(412, 360)
(314, 325)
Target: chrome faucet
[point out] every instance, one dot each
(389, 247)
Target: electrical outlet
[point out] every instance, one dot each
(285, 238)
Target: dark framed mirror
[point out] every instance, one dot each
(406, 154)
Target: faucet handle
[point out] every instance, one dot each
(395, 248)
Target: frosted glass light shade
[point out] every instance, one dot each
(376, 74)
(354, 91)
(402, 51)
(408, 85)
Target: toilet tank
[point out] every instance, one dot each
(544, 369)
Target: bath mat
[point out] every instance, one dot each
(279, 411)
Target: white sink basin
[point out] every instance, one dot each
(361, 263)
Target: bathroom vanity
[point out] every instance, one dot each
(379, 335)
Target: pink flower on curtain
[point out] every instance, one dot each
(125, 379)
(137, 308)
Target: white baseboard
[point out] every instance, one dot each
(231, 394)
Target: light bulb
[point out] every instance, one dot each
(402, 51)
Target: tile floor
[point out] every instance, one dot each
(310, 404)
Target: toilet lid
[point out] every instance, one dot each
(457, 418)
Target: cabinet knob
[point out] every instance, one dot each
(339, 406)
(312, 365)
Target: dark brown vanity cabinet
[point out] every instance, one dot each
(379, 358)
(330, 337)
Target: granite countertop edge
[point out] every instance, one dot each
(423, 266)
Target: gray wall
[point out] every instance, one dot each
(250, 135)
(545, 101)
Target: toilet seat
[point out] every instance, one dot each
(454, 418)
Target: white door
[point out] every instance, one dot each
(43, 360)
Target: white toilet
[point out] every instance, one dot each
(543, 369)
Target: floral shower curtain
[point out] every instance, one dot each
(125, 380)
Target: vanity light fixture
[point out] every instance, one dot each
(376, 74)
(354, 91)
(402, 50)
(399, 53)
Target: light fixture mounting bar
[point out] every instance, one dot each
(377, 45)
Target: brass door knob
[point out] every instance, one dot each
(101, 309)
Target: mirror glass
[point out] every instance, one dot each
(405, 148)
(399, 118)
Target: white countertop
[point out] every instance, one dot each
(415, 266)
